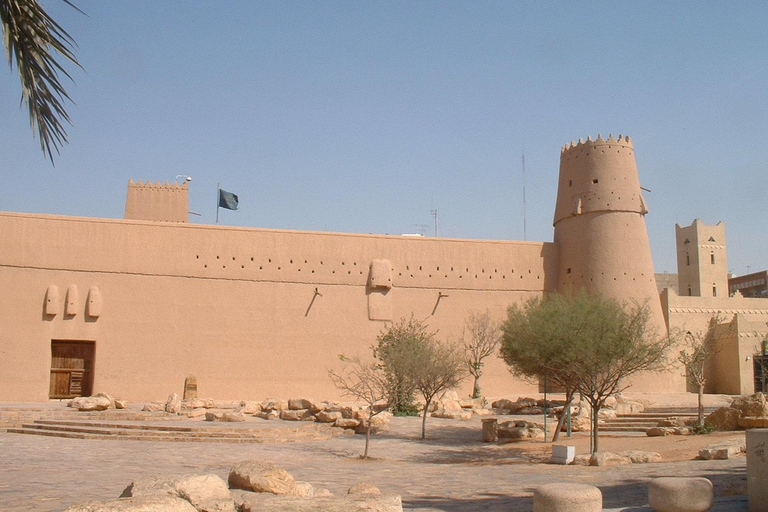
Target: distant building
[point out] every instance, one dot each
(667, 280)
(750, 285)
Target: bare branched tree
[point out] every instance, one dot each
(700, 349)
(366, 382)
(480, 338)
(33, 40)
(438, 367)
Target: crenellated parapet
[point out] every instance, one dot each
(157, 201)
(598, 176)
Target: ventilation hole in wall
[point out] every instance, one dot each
(467, 270)
(305, 261)
(361, 272)
(461, 277)
(291, 261)
(242, 266)
(475, 276)
(614, 278)
(279, 268)
(251, 258)
(430, 275)
(451, 269)
(349, 272)
(419, 267)
(197, 256)
(521, 277)
(313, 271)
(333, 271)
(529, 271)
(538, 277)
(223, 266)
(269, 260)
(490, 277)
(568, 271)
(411, 276)
(483, 270)
(594, 181)
(321, 262)
(205, 266)
(407, 267)
(503, 276)
(446, 275)
(299, 269)
(354, 263)
(400, 274)
(217, 257)
(260, 267)
(342, 263)
(233, 258)
(570, 183)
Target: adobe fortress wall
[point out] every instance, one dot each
(251, 312)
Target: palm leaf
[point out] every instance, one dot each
(34, 40)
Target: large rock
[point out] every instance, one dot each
(364, 488)
(659, 431)
(721, 451)
(724, 418)
(192, 403)
(640, 457)
(260, 476)
(379, 423)
(302, 489)
(296, 404)
(274, 404)
(271, 415)
(154, 503)
(453, 414)
(296, 415)
(328, 416)
(608, 459)
(754, 405)
(153, 407)
(504, 404)
(249, 407)
(347, 423)
(205, 492)
(173, 404)
(99, 402)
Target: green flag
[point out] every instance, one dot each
(227, 200)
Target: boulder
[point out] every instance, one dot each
(472, 403)
(154, 503)
(671, 422)
(350, 411)
(448, 405)
(526, 402)
(100, 402)
(271, 415)
(629, 408)
(611, 402)
(328, 417)
(214, 416)
(205, 492)
(153, 407)
(724, 418)
(720, 451)
(753, 405)
(260, 476)
(226, 404)
(249, 407)
(173, 404)
(193, 413)
(346, 423)
(295, 414)
(302, 489)
(503, 404)
(274, 404)
(481, 412)
(233, 416)
(364, 488)
(296, 404)
(530, 410)
(608, 459)
(316, 407)
(379, 423)
(606, 414)
(659, 431)
(640, 457)
(192, 403)
(683, 431)
(121, 404)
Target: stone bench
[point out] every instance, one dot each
(567, 497)
(680, 494)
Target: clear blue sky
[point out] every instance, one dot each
(364, 116)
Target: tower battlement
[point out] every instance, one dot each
(622, 140)
(157, 201)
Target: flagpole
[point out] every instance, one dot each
(218, 194)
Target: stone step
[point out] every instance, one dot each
(145, 432)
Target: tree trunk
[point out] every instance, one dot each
(595, 415)
(424, 420)
(476, 393)
(701, 405)
(561, 420)
(367, 435)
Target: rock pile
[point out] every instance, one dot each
(744, 412)
(252, 486)
(97, 402)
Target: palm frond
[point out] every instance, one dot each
(33, 39)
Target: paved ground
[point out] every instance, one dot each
(451, 471)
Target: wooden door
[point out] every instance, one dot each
(71, 368)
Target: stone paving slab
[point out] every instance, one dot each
(451, 471)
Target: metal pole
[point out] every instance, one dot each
(568, 421)
(545, 409)
(218, 194)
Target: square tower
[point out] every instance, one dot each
(702, 268)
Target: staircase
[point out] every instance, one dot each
(14, 415)
(650, 417)
(249, 432)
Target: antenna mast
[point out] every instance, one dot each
(525, 230)
(434, 214)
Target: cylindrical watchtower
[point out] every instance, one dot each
(600, 228)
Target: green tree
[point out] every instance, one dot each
(539, 340)
(396, 350)
(586, 341)
(480, 338)
(366, 382)
(33, 40)
(436, 368)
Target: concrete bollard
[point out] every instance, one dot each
(490, 430)
(757, 469)
(680, 494)
(562, 454)
(566, 497)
